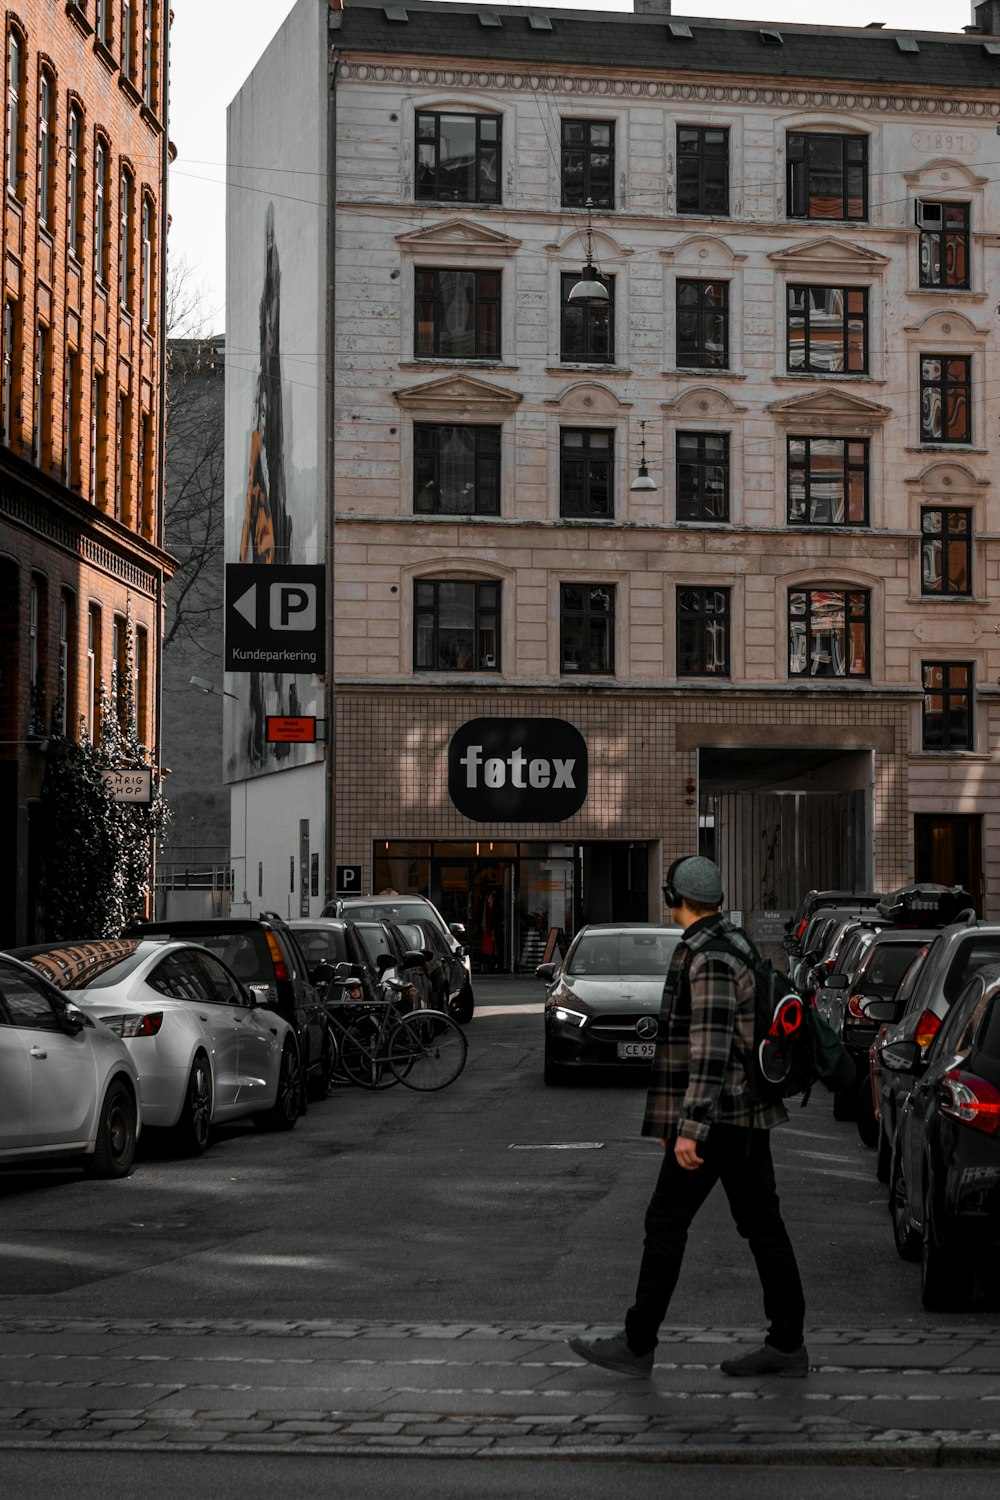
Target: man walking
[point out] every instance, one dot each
(712, 1130)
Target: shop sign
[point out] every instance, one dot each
(517, 770)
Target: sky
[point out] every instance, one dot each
(215, 44)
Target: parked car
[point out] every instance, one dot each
(603, 1000)
(885, 1013)
(811, 902)
(403, 972)
(263, 954)
(957, 953)
(821, 945)
(205, 1049)
(877, 978)
(446, 967)
(945, 1194)
(338, 960)
(68, 1087)
(392, 907)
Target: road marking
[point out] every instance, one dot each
(534, 1009)
(563, 1146)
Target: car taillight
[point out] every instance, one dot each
(972, 1100)
(828, 964)
(147, 1025)
(856, 1014)
(927, 1029)
(277, 959)
(801, 929)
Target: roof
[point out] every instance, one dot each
(933, 60)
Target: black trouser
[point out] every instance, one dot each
(748, 1179)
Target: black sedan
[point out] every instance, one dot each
(945, 1185)
(603, 999)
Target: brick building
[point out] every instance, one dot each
(81, 445)
(731, 527)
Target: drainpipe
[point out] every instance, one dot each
(331, 269)
(161, 425)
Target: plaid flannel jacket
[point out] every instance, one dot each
(698, 1078)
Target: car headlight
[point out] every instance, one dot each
(566, 1016)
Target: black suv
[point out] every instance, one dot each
(265, 956)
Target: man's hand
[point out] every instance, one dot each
(686, 1152)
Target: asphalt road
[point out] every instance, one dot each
(496, 1199)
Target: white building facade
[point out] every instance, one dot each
(782, 647)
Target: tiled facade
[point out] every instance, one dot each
(836, 339)
(84, 220)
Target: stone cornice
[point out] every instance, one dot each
(708, 91)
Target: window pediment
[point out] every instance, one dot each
(458, 236)
(945, 326)
(586, 399)
(829, 254)
(703, 251)
(458, 396)
(701, 403)
(944, 176)
(605, 246)
(832, 407)
(948, 482)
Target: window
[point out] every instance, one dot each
(588, 163)
(702, 170)
(586, 473)
(828, 330)
(66, 686)
(827, 176)
(11, 366)
(43, 394)
(28, 1003)
(456, 470)
(149, 58)
(703, 325)
(827, 481)
(94, 668)
(458, 158)
(456, 626)
(703, 632)
(74, 183)
(46, 147)
(945, 399)
(101, 210)
(147, 456)
(35, 627)
(102, 21)
(828, 633)
(99, 441)
(119, 666)
(15, 114)
(587, 628)
(587, 326)
(703, 476)
(944, 244)
(125, 266)
(947, 707)
(458, 314)
(142, 681)
(148, 263)
(71, 420)
(945, 551)
(128, 38)
(123, 488)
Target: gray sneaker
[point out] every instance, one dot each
(612, 1354)
(767, 1360)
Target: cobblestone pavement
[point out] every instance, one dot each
(874, 1395)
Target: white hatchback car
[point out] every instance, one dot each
(68, 1087)
(206, 1051)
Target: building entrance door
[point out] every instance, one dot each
(480, 894)
(949, 851)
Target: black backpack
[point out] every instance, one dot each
(793, 1046)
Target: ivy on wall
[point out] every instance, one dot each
(97, 853)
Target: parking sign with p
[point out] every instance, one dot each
(275, 618)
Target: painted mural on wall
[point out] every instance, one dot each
(278, 525)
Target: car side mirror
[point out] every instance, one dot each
(383, 962)
(546, 971)
(72, 1020)
(414, 956)
(834, 981)
(457, 929)
(902, 1057)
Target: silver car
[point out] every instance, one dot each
(603, 999)
(68, 1087)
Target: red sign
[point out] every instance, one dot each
(282, 731)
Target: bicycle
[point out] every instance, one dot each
(380, 1045)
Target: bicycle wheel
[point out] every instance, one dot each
(358, 1055)
(427, 1050)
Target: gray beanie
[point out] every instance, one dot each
(699, 879)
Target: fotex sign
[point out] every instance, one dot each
(517, 770)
